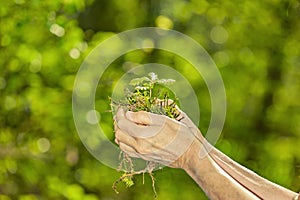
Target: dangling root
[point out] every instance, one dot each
(122, 178)
(127, 176)
(153, 185)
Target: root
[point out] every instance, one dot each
(148, 94)
(122, 178)
(127, 164)
(153, 185)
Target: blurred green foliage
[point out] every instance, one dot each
(255, 44)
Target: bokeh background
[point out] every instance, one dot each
(255, 44)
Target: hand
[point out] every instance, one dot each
(183, 118)
(154, 137)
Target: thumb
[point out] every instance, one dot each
(183, 118)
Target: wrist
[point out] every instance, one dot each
(215, 182)
(191, 158)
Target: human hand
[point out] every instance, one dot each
(183, 118)
(154, 137)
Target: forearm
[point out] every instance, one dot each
(256, 184)
(215, 182)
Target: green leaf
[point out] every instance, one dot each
(139, 81)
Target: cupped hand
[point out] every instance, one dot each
(154, 137)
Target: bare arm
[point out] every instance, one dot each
(231, 180)
(258, 185)
(214, 181)
(178, 144)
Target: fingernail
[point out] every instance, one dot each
(116, 141)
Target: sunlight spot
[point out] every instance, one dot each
(148, 45)
(57, 30)
(74, 53)
(83, 89)
(221, 58)
(35, 65)
(164, 22)
(219, 35)
(92, 117)
(43, 145)
(72, 156)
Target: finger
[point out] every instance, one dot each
(187, 121)
(115, 126)
(128, 150)
(123, 120)
(125, 138)
(145, 118)
(183, 118)
(190, 124)
(120, 114)
(132, 153)
(138, 131)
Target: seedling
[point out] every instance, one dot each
(148, 94)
